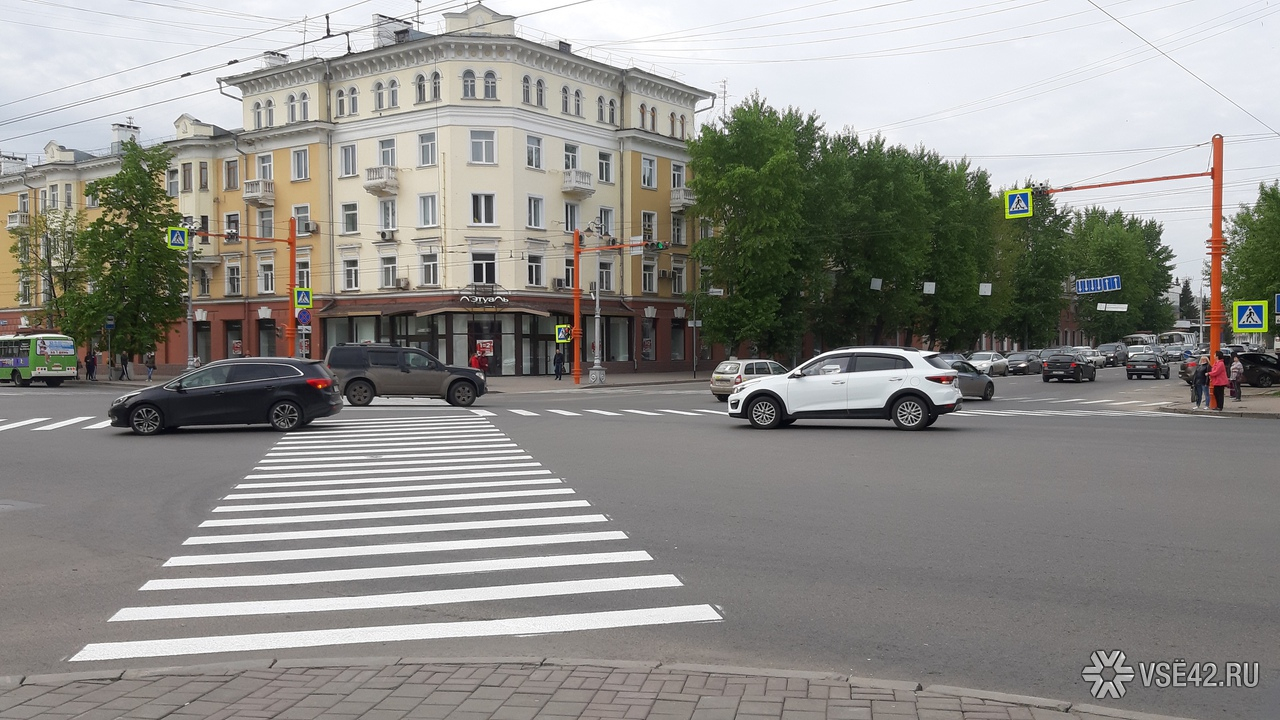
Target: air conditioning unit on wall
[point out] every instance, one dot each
(558, 284)
(387, 234)
(308, 227)
(402, 283)
(664, 274)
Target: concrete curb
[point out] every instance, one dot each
(1029, 700)
(1125, 714)
(1222, 413)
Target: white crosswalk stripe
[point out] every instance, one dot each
(342, 502)
(21, 423)
(526, 413)
(1069, 413)
(64, 423)
(566, 413)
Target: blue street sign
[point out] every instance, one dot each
(304, 317)
(1096, 285)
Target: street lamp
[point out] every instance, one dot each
(191, 290)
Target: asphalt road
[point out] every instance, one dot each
(996, 550)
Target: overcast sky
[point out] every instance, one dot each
(1064, 91)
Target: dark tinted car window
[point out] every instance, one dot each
(1062, 358)
(964, 367)
(871, 363)
(384, 358)
(248, 372)
(216, 375)
(1019, 357)
(287, 371)
(938, 361)
(345, 357)
(417, 359)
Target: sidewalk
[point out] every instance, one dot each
(1258, 403)
(508, 689)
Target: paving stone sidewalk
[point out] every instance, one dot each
(507, 689)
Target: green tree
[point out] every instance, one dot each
(47, 263)
(1187, 309)
(129, 270)
(1111, 243)
(1031, 258)
(1251, 269)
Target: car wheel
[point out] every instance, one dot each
(285, 416)
(722, 398)
(910, 413)
(1094, 376)
(1264, 381)
(146, 420)
(461, 393)
(1130, 376)
(765, 413)
(359, 393)
(990, 392)
(1166, 376)
(1079, 376)
(1044, 378)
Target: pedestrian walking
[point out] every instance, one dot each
(1200, 383)
(484, 363)
(1237, 376)
(558, 363)
(91, 365)
(1218, 379)
(475, 360)
(124, 366)
(149, 360)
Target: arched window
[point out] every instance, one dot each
(653, 119)
(304, 107)
(526, 90)
(542, 94)
(393, 93)
(564, 99)
(351, 98)
(341, 103)
(491, 85)
(435, 86)
(468, 84)
(613, 113)
(681, 127)
(577, 103)
(291, 107)
(673, 125)
(600, 108)
(257, 116)
(379, 96)
(644, 110)
(270, 108)
(420, 89)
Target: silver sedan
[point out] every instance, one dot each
(990, 363)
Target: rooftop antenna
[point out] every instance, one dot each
(724, 96)
(417, 14)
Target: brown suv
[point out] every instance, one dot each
(369, 370)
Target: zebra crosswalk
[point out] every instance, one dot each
(385, 530)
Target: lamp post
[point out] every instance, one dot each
(191, 290)
(597, 372)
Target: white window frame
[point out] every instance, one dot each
(649, 276)
(678, 229)
(571, 152)
(347, 166)
(388, 272)
(350, 213)
(649, 225)
(677, 277)
(677, 175)
(351, 273)
(604, 276)
(301, 165)
(491, 85)
(484, 148)
(302, 217)
(428, 210)
(387, 152)
(265, 164)
(648, 172)
(568, 272)
(303, 266)
(429, 264)
(483, 209)
(536, 271)
(469, 85)
(533, 152)
(427, 149)
(387, 214)
(231, 223)
(266, 222)
(606, 167)
(535, 215)
(484, 267)
(203, 283)
(606, 221)
(572, 216)
(234, 284)
(266, 275)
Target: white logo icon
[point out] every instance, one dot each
(1120, 673)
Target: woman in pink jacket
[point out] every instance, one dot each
(1218, 380)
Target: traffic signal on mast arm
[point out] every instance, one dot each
(654, 246)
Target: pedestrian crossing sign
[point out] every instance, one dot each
(302, 298)
(1249, 316)
(177, 238)
(1017, 204)
(562, 333)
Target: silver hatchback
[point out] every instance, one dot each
(731, 373)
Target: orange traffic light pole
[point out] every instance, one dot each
(1217, 243)
(576, 333)
(290, 329)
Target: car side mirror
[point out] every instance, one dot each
(179, 387)
(796, 374)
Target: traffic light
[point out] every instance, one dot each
(653, 246)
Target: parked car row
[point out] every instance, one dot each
(1260, 369)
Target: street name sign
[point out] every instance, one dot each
(1249, 316)
(1098, 284)
(1113, 307)
(1017, 204)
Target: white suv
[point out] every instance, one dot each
(908, 386)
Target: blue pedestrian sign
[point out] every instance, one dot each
(302, 298)
(304, 317)
(177, 238)
(1017, 204)
(1249, 316)
(563, 333)
(1097, 285)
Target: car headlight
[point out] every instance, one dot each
(480, 375)
(120, 400)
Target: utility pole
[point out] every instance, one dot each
(290, 327)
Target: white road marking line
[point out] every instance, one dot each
(461, 567)
(397, 600)
(641, 412)
(678, 412)
(564, 412)
(603, 412)
(64, 423)
(403, 461)
(406, 478)
(510, 627)
(391, 418)
(395, 489)
(1059, 402)
(384, 514)
(1036, 400)
(483, 413)
(95, 426)
(344, 440)
(392, 549)
(394, 529)
(21, 423)
(1127, 402)
(1095, 402)
(373, 449)
(332, 473)
(713, 412)
(365, 502)
(1162, 402)
(479, 426)
(525, 413)
(399, 424)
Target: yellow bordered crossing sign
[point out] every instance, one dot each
(1017, 204)
(1249, 316)
(302, 298)
(177, 238)
(563, 333)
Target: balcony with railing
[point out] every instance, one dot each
(578, 183)
(261, 193)
(381, 180)
(18, 219)
(681, 198)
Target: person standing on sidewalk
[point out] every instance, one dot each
(1218, 379)
(1200, 383)
(124, 366)
(1237, 376)
(149, 361)
(91, 365)
(558, 363)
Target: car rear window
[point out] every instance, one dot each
(1062, 358)
(728, 368)
(1020, 356)
(345, 357)
(938, 362)
(1142, 356)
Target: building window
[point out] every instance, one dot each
(484, 268)
(435, 86)
(24, 202)
(349, 218)
(393, 93)
(231, 225)
(705, 230)
(677, 229)
(186, 183)
(648, 225)
(533, 152)
(301, 164)
(570, 217)
(379, 96)
(204, 178)
(340, 105)
(483, 147)
(648, 172)
(526, 90)
(427, 216)
(387, 214)
(430, 269)
(352, 101)
(570, 156)
(540, 89)
(233, 279)
(677, 175)
(644, 109)
(304, 273)
(535, 217)
(90, 201)
(490, 86)
(351, 274)
(203, 282)
(291, 108)
(535, 271)
(426, 148)
(606, 276)
(648, 277)
(266, 277)
(347, 161)
(387, 152)
(420, 88)
(600, 108)
(682, 132)
(24, 291)
(257, 116)
(606, 221)
(482, 209)
(577, 103)
(468, 84)
(568, 272)
(269, 109)
(673, 125)
(388, 271)
(564, 99)
(266, 223)
(653, 119)
(613, 113)
(302, 218)
(304, 107)
(677, 278)
(606, 167)
(172, 189)
(264, 167)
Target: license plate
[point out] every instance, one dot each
(1059, 372)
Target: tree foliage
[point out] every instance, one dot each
(1111, 243)
(47, 255)
(1251, 270)
(1029, 291)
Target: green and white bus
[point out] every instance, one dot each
(47, 357)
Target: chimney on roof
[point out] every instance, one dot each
(122, 133)
(565, 47)
(388, 27)
(271, 59)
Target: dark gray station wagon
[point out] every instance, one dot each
(369, 370)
